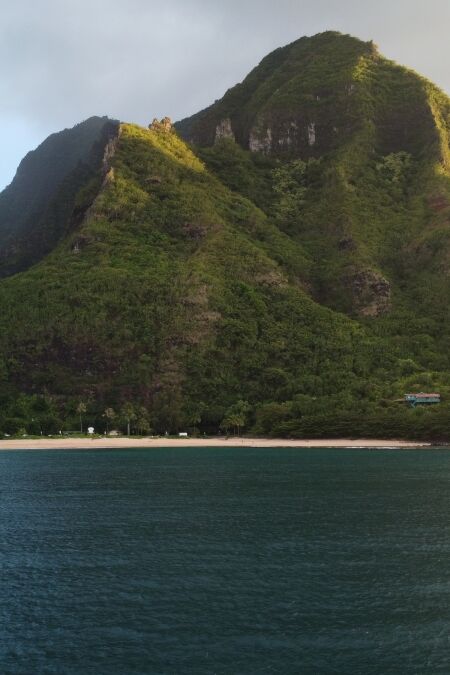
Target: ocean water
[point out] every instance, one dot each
(225, 561)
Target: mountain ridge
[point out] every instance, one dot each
(46, 183)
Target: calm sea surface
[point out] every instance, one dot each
(225, 561)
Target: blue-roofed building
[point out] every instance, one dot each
(422, 399)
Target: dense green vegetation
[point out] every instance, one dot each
(300, 290)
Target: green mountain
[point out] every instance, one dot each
(278, 262)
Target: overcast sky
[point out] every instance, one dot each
(62, 61)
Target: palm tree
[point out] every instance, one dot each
(236, 417)
(81, 409)
(142, 421)
(109, 415)
(128, 412)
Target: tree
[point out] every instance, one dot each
(128, 412)
(193, 414)
(270, 415)
(236, 417)
(81, 409)
(143, 421)
(109, 415)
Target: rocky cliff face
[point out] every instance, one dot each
(370, 293)
(224, 130)
(300, 100)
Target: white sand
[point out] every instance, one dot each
(96, 443)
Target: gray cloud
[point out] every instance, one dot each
(61, 62)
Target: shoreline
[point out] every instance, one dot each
(113, 443)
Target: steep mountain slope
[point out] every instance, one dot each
(35, 208)
(348, 153)
(299, 100)
(288, 269)
(372, 185)
(170, 293)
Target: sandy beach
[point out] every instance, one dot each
(111, 443)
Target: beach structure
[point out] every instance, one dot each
(422, 399)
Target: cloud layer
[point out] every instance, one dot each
(61, 62)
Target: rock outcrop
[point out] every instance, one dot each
(164, 125)
(370, 291)
(260, 140)
(224, 130)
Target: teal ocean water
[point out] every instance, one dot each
(225, 561)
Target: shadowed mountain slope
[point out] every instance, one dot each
(36, 207)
